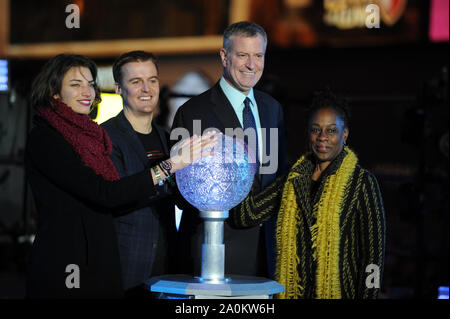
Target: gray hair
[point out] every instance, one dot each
(246, 28)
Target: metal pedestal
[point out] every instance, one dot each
(233, 287)
(213, 283)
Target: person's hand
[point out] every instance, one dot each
(188, 151)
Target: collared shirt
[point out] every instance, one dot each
(236, 99)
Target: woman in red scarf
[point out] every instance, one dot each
(76, 186)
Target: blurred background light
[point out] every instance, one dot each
(110, 106)
(438, 30)
(4, 82)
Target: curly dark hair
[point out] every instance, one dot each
(326, 99)
(49, 80)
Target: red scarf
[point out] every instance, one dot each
(88, 138)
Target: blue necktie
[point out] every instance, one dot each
(249, 121)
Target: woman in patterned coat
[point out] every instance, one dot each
(330, 232)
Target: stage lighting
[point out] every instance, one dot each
(4, 79)
(443, 292)
(111, 106)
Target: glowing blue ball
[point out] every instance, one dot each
(221, 181)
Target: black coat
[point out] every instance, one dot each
(74, 221)
(144, 234)
(245, 248)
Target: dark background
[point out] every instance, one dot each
(398, 92)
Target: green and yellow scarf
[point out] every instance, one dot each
(325, 233)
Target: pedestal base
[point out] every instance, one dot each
(188, 287)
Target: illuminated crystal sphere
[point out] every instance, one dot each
(221, 181)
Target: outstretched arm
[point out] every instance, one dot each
(258, 208)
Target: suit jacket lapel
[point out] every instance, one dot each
(264, 118)
(263, 110)
(162, 137)
(223, 110)
(132, 138)
(226, 115)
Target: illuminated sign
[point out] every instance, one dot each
(345, 14)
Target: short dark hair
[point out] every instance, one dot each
(49, 80)
(132, 56)
(326, 99)
(249, 29)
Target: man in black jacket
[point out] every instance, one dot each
(233, 103)
(144, 234)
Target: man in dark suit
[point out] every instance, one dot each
(144, 234)
(233, 103)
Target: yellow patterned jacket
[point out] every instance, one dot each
(330, 244)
